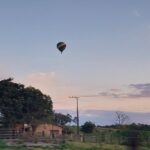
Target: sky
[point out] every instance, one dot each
(106, 61)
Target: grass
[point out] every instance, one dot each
(91, 146)
(70, 146)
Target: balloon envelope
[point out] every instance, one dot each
(61, 46)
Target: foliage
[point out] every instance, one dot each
(74, 120)
(61, 119)
(144, 127)
(70, 146)
(37, 107)
(88, 127)
(11, 101)
(23, 105)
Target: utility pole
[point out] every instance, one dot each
(75, 97)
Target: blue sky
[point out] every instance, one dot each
(107, 51)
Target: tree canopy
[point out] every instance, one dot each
(88, 127)
(61, 119)
(23, 105)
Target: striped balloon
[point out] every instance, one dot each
(61, 46)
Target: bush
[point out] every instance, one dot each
(88, 127)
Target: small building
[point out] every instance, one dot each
(49, 130)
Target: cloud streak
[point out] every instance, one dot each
(141, 90)
(144, 90)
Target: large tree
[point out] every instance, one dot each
(11, 101)
(25, 105)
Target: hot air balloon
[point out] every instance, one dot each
(61, 46)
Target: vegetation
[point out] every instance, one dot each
(88, 127)
(20, 104)
(141, 127)
(70, 146)
(23, 105)
(61, 119)
(121, 118)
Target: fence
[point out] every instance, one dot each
(11, 134)
(8, 133)
(109, 138)
(101, 137)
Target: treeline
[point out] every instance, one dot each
(143, 127)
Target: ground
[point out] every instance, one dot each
(69, 146)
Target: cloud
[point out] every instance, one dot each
(52, 84)
(103, 94)
(143, 89)
(92, 95)
(60, 89)
(145, 86)
(139, 91)
(41, 80)
(42, 77)
(115, 90)
(114, 95)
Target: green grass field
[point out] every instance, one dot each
(70, 146)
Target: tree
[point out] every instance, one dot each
(23, 105)
(74, 120)
(37, 107)
(121, 118)
(61, 119)
(11, 101)
(88, 127)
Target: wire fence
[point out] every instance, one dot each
(110, 139)
(103, 137)
(14, 135)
